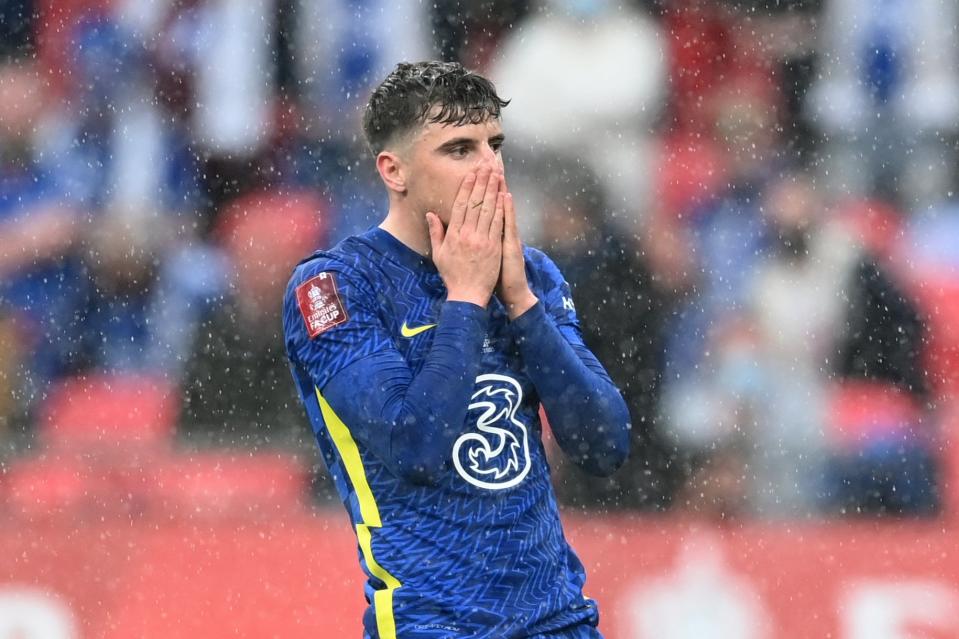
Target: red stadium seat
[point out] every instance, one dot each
(160, 484)
(270, 231)
(877, 225)
(108, 453)
(860, 410)
(108, 410)
(938, 296)
(46, 486)
(78, 484)
(223, 483)
(690, 171)
(949, 454)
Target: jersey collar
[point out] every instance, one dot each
(384, 243)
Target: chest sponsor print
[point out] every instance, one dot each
(496, 455)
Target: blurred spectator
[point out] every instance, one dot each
(622, 307)
(711, 46)
(798, 306)
(586, 79)
(102, 135)
(928, 261)
(727, 231)
(11, 361)
(215, 66)
(120, 256)
(768, 43)
(887, 98)
(236, 387)
(17, 36)
(690, 170)
(125, 155)
(759, 410)
(709, 416)
(345, 48)
(168, 156)
(39, 225)
(468, 31)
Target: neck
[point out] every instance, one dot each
(408, 228)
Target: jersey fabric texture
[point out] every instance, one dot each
(472, 545)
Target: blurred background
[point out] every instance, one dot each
(753, 201)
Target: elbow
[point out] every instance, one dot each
(611, 443)
(609, 456)
(593, 430)
(620, 429)
(616, 456)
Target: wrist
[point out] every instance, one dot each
(468, 296)
(519, 304)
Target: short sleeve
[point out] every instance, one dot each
(330, 319)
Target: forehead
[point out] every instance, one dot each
(437, 133)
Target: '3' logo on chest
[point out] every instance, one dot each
(496, 455)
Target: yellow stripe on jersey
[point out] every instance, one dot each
(369, 514)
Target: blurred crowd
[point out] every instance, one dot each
(753, 201)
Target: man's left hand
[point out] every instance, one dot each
(513, 288)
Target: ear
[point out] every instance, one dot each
(391, 169)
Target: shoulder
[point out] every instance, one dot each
(345, 264)
(538, 260)
(325, 289)
(542, 268)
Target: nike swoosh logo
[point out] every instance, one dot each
(406, 331)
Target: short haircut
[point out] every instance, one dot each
(410, 93)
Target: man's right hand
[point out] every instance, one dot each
(468, 253)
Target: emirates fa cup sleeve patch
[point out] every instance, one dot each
(320, 304)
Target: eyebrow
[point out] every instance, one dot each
(464, 141)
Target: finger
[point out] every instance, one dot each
(489, 203)
(477, 197)
(496, 226)
(437, 234)
(510, 231)
(461, 201)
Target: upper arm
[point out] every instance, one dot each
(330, 320)
(335, 335)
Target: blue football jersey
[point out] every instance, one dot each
(480, 552)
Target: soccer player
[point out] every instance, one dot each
(422, 350)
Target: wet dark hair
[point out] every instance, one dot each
(411, 91)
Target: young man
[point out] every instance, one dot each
(422, 350)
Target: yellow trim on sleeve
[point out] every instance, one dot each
(369, 514)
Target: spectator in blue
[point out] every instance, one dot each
(345, 48)
(40, 222)
(129, 161)
(729, 234)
